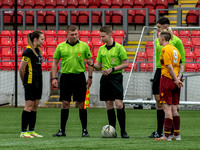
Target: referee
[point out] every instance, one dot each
(31, 75)
(113, 57)
(72, 81)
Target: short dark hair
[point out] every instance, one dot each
(72, 28)
(163, 21)
(107, 29)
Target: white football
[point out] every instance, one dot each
(108, 131)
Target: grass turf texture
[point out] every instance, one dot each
(140, 124)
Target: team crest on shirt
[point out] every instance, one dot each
(163, 51)
(113, 60)
(78, 55)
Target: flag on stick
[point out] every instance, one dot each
(87, 99)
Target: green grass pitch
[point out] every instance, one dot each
(140, 124)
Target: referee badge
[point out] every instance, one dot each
(78, 55)
(113, 60)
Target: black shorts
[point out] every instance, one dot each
(156, 81)
(111, 87)
(33, 91)
(72, 84)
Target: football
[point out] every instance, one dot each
(108, 131)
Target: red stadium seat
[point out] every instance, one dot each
(150, 67)
(149, 44)
(95, 36)
(119, 33)
(116, 4)
(29, 4)
(6, 51)
(188, 44)
(108, 16)
(89, 44)
(61, 3)
(83, 17)
(150, 4)
(7, 4)
(94, 4)
(0, 3)
(74, 16)
(139, 17)
(183, 39)
(19, 17)
(118, 40)
(116, 17)
(195, 33)
(19, 35)
(149, 57)
(152, 16)
(50, 35)
(192, 16)
(162, 4)
(171, 2)
(20, 3)
(131, 16)
(189, 56)
(175, 32)
(7, 17)
(127, 3)
(105, 3)
(197, 54)
(83, 3)
(130, 66)
(144, 67)
(72, 3)
(84, 35)
(44, 66)
(95, 52)
(41, 14)
(6, 64)
(50, 15)
(139, 4)
(61, 36)
(196, 43)
(96, 16)
(50, 48)
(190, 67)
(141, 56)
(26, 32)
(184, 33)
(62, 14)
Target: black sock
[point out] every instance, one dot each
(160, 121)
(25, 120)
(121, 118)
(83, 118)
(64, 117)
(111, 117)
(32, 121)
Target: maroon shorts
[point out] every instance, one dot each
(169, 92)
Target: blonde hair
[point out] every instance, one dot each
(167, 33)
(31, 37)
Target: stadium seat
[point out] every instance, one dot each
(41, 14)
(62, 14)
(95, 52)
(20, 3)
(149, 56)
(50, 35)
(127, 3)
(26, 32)
(150, 67)
(190, 67)
(198, 4)
(44, 66)
(5, 33)
(61, 3)
(19, 35)
(29, 4)
(72, 3)
(139, 17)
(74, 16)
(83, 17)
(150, 4)
(116, 17)
(130, 66)
(131, 16)
(50, 48)
(196, 42)
(187, 50)
(84, 35)
(188, 44)
(19, 17)
(162, 4)
(89, 44)
(175, 32)
(171, 2)
(50, 15)
(105, 3)
(189, 56)
(83, 3)
(19, 50)
(6, 64)
(95, 36)
(183, 39)
(61, 36)
(6, 50)
(149, 44)
(94, 4)
(195, 33)
(95, 47)
(152, 16)
(116, 4)
(0, 3)
(7, 17)
(7, 4)
(96, 17)
(192, 16)
(184, 33)
(108, 17)
(139, 4)
(197, 54)
(144, 67)
(141, 56)
(119, 36)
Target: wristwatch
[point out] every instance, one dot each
(90, 77)
(113, 69)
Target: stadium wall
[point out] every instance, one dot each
(139, 88)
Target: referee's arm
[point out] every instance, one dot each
(54, 71)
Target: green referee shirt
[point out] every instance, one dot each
(112, 56)
(72, 56)
(175, 42)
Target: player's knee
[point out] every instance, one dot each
(159, 106)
